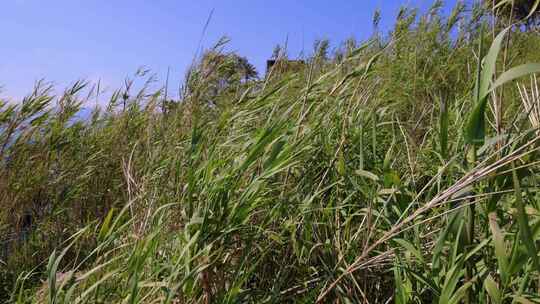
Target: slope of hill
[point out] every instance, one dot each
(402, 169)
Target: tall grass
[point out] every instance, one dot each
(386, 171)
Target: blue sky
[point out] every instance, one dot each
(65, 40)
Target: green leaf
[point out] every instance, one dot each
(429, 282)
(402, 293)
(515, 73)
(410, 247)
(443, 130)
(340, 164)
(388, 157)
(491, 287)
(105, 227)
(448, 293)
(500, 247)
(460, 293)
(261, 142)
(523, 221)
(455, 218)
(522, 300)
(367, 174)
(475, 127)
(477, 248)
(277, 147)
(490, 62)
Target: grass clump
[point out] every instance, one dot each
(400, 169)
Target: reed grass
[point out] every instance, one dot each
(383, 171)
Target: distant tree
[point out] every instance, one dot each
(247, 69)
(218, 73)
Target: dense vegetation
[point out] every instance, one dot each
(402, 169)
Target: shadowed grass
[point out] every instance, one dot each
(376, 173)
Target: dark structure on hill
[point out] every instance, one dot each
(280, 66)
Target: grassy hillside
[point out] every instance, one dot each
(402, 169)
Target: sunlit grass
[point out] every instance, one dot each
(386, 171)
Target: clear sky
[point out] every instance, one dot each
(65, 40)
